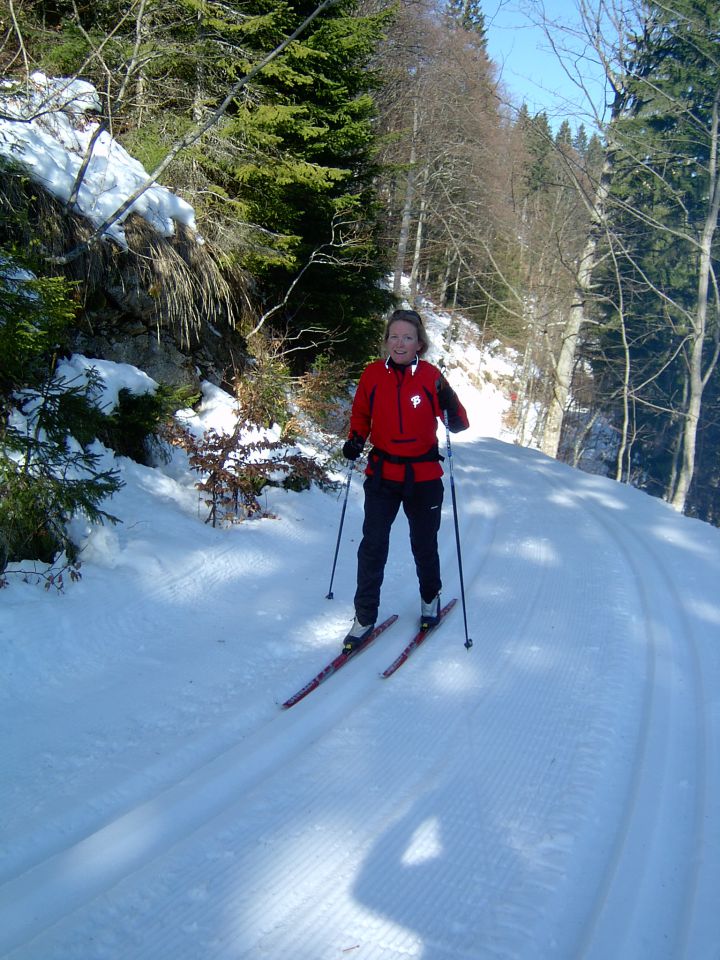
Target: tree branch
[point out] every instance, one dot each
(190, 138)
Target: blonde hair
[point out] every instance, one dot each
(414, 318)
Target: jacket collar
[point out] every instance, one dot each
(391, 365)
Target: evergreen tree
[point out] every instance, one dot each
(468, 15)
(538, 139)
(564, 137)
(306, 176)
(285, 182)
(46, 474)
(580, 141)
(594, 156)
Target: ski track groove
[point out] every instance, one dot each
(49, 881)
(55, 881)
(666, 625)
(533, 801)
(290, 879)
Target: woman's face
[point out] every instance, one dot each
(402, 341)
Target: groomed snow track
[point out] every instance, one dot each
(554, 793)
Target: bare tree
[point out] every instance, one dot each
(700, 369)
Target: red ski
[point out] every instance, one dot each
(337, 663)
(416, 641)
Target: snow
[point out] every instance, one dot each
(45, 127)
(113, 378)
(553, 793)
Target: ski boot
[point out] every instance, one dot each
(357, 636)
(429, 613)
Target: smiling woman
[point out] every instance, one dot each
(405, 337)
(403, 344)
(396, 406)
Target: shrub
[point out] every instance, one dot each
(135, 423)
(235, 470)
(46, 475)
(322, 395)
(262, 391)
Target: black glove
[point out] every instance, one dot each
(353, 447)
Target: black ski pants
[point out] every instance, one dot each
(423, 508)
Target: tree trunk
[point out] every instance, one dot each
(418, 237)
(697, 378)
(141, 31)
(407, 208)
(565, 364)
(198, 108)
(623, 449)
(456, 285)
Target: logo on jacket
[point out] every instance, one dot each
(415, 400)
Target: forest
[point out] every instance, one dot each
(326, 147)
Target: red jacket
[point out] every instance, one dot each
(397, 409)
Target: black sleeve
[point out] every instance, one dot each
(449, 400)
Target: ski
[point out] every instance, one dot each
(416, 641)
(337, 663)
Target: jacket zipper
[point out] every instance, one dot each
(401, 377)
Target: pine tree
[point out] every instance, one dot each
(538, 138)
(564, 137)
(46, 475)
(306, 176)
(580, 141)
(468, 15)
(285, 182)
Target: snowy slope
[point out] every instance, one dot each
(551, 793)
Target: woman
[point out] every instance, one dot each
(396, 406)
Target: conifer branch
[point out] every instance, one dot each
(190, 138)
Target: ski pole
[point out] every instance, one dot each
(329, 594)
(468, 641)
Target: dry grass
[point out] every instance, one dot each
(174, 283)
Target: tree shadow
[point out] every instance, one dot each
(426, 873)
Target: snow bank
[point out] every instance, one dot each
(47, 129)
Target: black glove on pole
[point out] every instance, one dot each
(468, 641)
(353, 447)
(329, 595)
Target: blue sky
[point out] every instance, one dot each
(529, 68)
